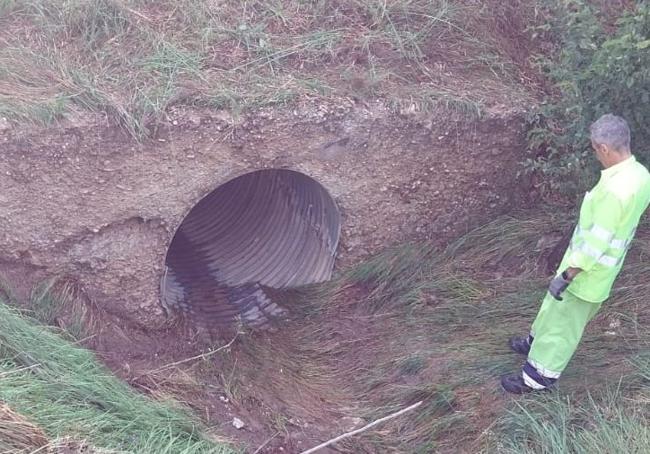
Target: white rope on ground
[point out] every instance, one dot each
(363, 429)
(266, 443)
(187, 360)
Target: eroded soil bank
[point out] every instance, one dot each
(81, 199)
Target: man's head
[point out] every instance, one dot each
(610, 138)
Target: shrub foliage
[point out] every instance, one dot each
(603, 66)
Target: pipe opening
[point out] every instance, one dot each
(272, 228)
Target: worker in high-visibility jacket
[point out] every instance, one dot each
(609, 215)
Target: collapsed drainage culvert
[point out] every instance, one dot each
(271, 228)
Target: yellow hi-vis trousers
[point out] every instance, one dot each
(554, 337)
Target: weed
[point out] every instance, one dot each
(7, 7)
(94, 22)
(230, 385)
(279, 423)
(46, 308)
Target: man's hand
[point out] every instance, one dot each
(559, 285)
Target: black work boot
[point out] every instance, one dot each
(519, 345)
(514, 383)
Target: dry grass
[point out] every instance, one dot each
(132, 59)
(17, 434)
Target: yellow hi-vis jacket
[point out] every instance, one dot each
(609, 215)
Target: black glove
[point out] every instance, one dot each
(558, 285)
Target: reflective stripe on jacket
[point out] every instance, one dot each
(609, 215)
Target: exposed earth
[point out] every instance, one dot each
(87, 202)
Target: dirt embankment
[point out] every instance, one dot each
(84, 200)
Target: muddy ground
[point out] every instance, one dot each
(286, 402)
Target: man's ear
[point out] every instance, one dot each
(603, 149)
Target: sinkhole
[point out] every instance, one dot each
(268, 229)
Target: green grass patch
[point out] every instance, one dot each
(65, 391)
(606, 421)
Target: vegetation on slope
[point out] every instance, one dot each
(602, 65)
(421, 324)
(133, 59)
(62, 389)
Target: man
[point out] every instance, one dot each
(609, 215)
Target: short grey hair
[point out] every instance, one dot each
(612, 131)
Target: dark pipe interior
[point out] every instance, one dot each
(272, 228)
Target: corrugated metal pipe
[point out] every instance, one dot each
(272, 228)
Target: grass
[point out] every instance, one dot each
(416, 323)
(62, 389)
(131, 60)
(613, 420)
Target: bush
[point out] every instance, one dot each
(601, 67)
